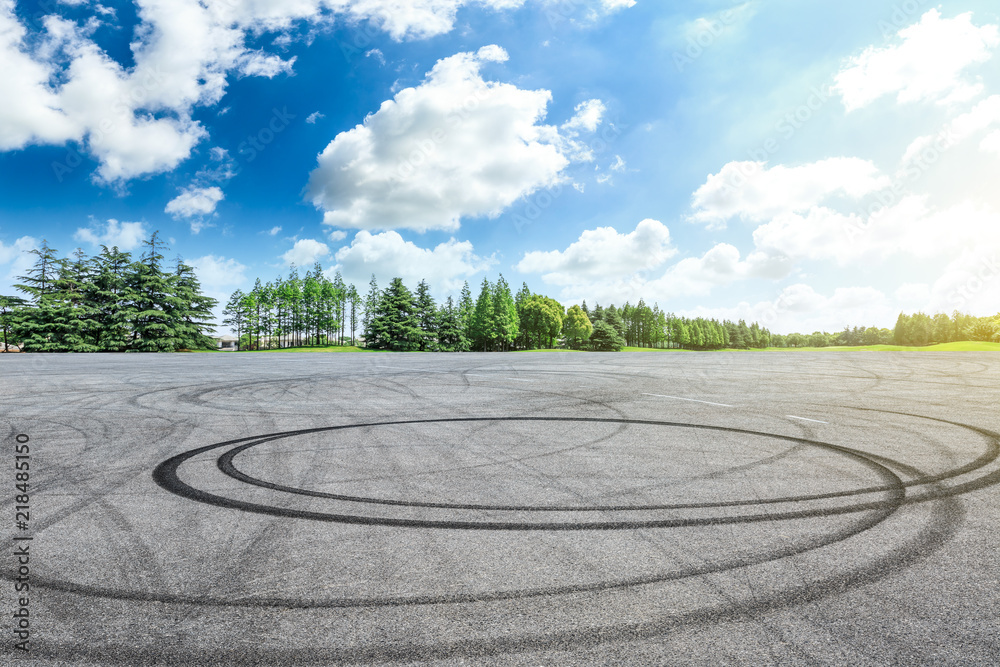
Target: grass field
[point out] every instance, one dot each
(959, 346)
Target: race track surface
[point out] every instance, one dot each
(515, 509)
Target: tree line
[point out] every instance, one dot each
(107, 303)
(916, 330)
(314, 310)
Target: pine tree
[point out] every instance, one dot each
(38, 327)
(482, 330)
(465, 311)
(426, 314)
(449, 333)
(152, 329)
(371, 307)
(235, 315)
(395, 325)
(9, 309)
(112, 299)
(191, 315)
(505, 321)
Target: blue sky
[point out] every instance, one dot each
(805, 165)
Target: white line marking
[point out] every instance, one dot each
(806, 419)
(693, 400)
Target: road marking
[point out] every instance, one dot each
(693, 400)
(806, 419)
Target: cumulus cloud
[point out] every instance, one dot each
(194, 204)
(313, 117)
(928, 64)
(217, 272)
(455, 146)
(603, 253)
(979, 118)
(59, 86)
(588, 116)
(799, 308)
(753, 192)
(16, 255)
(388, 255)
(612, 267)
(306, 252)
(126, 235)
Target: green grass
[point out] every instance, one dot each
(958, 346)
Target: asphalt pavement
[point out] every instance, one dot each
(834, 508)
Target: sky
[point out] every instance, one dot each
(806, 165)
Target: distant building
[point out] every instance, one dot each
(226, 343)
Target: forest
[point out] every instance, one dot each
(313, 310)
(108, 303)
(113, 302)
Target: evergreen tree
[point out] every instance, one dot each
(371, 307)
(426, 314)
(353, 299)
(40, 327)
(152, 329)
(235, 315)
(113, 299)
(191, 315)
(395, 325)
(605, 338)
(482, 329)
(505, 321)
(9, 309)
(449, 333)
(465, 310)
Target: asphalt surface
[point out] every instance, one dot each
(512, 509)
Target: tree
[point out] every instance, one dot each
(354, 299)
(505, 321)
(152, 329)
(9, 306)
(542, 320)
(449, 333)
(577, 327)
(191, 315)
(426, 314)
(482, 329)
(371, 307)
(395, 325)
(604, 338)
(113, 299)
(465, 310)
(235, 315)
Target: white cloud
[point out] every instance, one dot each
(588, 117)
(455, 146)
(126, 235)
(607, 267)
(59, 86)
(991, 143)
(928, 64)
(752, 192)
(306, 252)
(217, 272)
(603, 253)
(313, 117)
(194, 202)
(16, 254)
(619, 164)
(274, 231)
(337, 235)
(387, 255)
(799, 308)
(981, 117)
